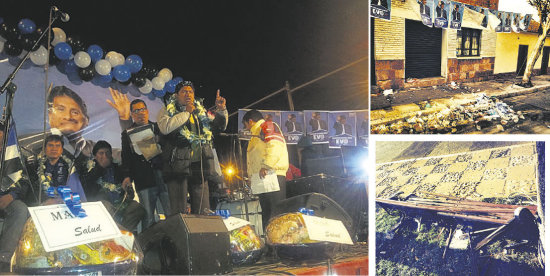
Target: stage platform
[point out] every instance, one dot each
(347, 260)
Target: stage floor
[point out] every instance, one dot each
(347, 260)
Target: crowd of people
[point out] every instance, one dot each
(168, 161)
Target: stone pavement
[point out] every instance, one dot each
(488, 173)
(409, 102)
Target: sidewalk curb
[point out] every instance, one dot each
(524, 91)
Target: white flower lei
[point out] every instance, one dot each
(45, 180)
(204, 116)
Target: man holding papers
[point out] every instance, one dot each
(267, 161)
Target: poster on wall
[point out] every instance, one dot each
(342, 129)
(317, 127)
(500, 16)
(485, 13)
(244, 134)
(525, 21)
(456, 15)
(293, 127)
(380, 9)
(426, 8)
(441, 14)
(516, 22)
(362, 127)
(507, 27)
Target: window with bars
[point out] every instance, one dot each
(468, 42)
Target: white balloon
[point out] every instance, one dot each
(112, 58)
(146, 89)
(82, 59)
(1, 46)
(158, 83)
(165, 74)
(40, 56)
(120, 59)
(102, 67)
(58, 36)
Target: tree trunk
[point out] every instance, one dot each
(534, 56)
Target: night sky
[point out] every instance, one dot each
(247, 49)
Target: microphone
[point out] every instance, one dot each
(62, 15)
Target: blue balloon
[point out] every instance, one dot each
(106, 79)
(63, 51)
(134, 62)
(121, 73)
(158, 93)
(70, 66)
(95, 52)
(178, 80)
(170, 86)
(26, 26)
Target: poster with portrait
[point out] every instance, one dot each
(272, 115)
(500, 16)
(342, 129)
(457, 13)
(507, 27)
(317, 126)
(244, 134)
(485, 12)
(362, 127)
(293, 126)
(380, 9)
(516, 22)
(426, 10)
(525, 21)
(441, 13)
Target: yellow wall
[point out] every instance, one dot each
(506, 58)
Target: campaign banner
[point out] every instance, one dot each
(426, 10)
(343, 130)
(244, 134)
(525, 21)
(380, 9)
(456, 15)
(268, 115)
(317, 127)
(485, 12)
(441, 14)
(507, 26)
(293, 127)
(362, 127)
(500, 16)
(516, 22)
(273, 116)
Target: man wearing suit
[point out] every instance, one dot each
(291, 125)
(424, 9)
(440, 11)
(508, 21)
(484, 21)
(316, 123)
(456, 13)
(380, 3)
(341, 127)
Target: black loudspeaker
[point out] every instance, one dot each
(186, 244)
(322, 205)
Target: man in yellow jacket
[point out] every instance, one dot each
(267, 158)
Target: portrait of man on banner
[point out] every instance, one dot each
(507, 27)
(243, 132)
(317, 126)
(525, 21)
(441, 14)
(499, 15)
(362, 127)
(426, 9)
(293, 126)
(343, 129)
(485, 13)
(516, 22)
(380, 9)
(456, 15)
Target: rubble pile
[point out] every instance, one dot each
(481, 113)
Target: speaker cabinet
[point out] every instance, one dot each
(186, 244)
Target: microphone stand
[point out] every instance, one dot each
(245, 193)
(10, 88)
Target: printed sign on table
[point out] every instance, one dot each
(59, 228)
(457, 14)
(342, 131)
(317, 127)
(362, 127)
(293, 127)
(380, 9)
(441, 13)
(323, 229)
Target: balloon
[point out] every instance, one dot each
(134, 62)
(58, 36)
(165, 74)
(82, 59)
(103, 67)
(146, 89)
(158, 83)
(27, 41)
(114, 58)
(106, 78)
(170, 85)
(95, 52)
(121, 73)
(70, 66)
(138, 81)
(1, 46)
(158, 93)
(63, 51)
(12, 48)
(86, 74)
(11, 33)
(40, 56)
(26, 26)
(178, 80)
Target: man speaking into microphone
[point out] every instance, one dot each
(187, 154)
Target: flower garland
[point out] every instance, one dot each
(45, 180)
(105, 186)
(205, 117)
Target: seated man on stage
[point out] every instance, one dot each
(188, 159)
(145, 172)
(105, 181)
(13, 211)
